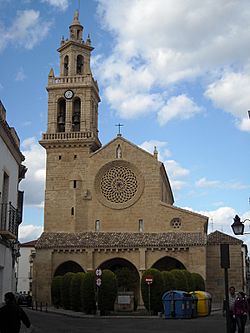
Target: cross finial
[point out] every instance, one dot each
(119, 129)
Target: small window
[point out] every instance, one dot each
(75, 157)
(60, 157)
(141, 225)
(97, 225)
(175, 223)
(74, 183)
(72, 211)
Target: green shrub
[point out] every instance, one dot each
(75, 291)
(65, 291)
(107, 292)
(156, 290)
(180, 279)
(168, 281)
(189, 279)
(88, 295)
(199, 283)
(56, 286)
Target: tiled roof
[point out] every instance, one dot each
(29, 244)
(104, 240)
(218, 237)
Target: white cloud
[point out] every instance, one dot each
(29, 232)
(34, 182)
(27, 30)
(204, 183)
(159, 44)
(161, 148)
(180, 107)
(60, 4)
(20, 76)
(231, 93)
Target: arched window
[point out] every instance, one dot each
(79, 64)
(61, 113)
(66, 66)
(76, 115)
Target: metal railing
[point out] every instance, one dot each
(8, 218)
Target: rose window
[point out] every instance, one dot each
(118, 184)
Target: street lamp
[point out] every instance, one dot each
(238, 226)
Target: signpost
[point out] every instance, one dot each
(98, 282)
(149, 279)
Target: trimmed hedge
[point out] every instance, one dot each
(156, 290)
(87, 293)
(199, 283)
(107, 292)
(168, 280)
(65, 290)
(56, 286)
(75, 291)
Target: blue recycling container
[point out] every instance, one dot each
(177, 304)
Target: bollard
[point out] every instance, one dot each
(36, 305)
(46, 307)
(41, 306)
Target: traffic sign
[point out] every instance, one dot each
(98, 272)
(98, 282)
(148, 279)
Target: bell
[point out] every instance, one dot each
(76, 118)
(61, 120)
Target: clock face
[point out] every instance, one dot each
(68, 94)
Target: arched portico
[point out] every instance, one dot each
(68, 266)
(167, 263)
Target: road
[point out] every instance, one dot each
(56, 323)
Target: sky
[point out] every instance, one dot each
(175, 73)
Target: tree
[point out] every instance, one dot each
(88, 295)
(75, 291)
(65, 291)
(199, 283)
(180, 279)
(107, 291)
(156, 290)
(56, 286)
(168, 280)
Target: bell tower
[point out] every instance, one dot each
(72, 129)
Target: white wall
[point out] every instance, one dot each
(24, 268)
(9, 165)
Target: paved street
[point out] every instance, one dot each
(58, 323)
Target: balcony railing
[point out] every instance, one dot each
(8, 220)
(68, 136)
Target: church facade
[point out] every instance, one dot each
(105, 206)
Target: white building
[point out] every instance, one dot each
(24, 270)
(11, 202)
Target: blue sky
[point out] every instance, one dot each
(175, 73)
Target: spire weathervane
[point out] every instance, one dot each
(119, 129)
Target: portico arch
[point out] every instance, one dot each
(167, 263)
(68, 266)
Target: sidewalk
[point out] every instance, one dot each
(137, 314)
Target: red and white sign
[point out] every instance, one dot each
(148, 279)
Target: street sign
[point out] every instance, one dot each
(98, 282)
(98, 272)
(148, 279)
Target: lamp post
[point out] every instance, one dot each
(238, 226)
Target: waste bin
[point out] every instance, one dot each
(194, 304)
(204, 303)
(177, 304)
